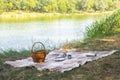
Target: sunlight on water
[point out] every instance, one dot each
(51, 33)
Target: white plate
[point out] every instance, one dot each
(59, 59)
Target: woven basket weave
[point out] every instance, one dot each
(39, 55)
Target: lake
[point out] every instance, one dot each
(21, 35)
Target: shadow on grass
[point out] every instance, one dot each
(107, 68)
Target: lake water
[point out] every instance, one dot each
(51, 33)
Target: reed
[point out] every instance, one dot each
(104, 27)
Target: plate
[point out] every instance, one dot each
(59, 59)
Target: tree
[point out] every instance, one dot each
(71, 5)
(51, 6)
(86, 5)
(31, 4)
(3, 5)
(62, 7)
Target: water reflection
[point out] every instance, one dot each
(51, 33)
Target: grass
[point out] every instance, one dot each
(103, 69)
(107, 68)
(13, 54)
(105, 27)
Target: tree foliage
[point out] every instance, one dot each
(63, 6)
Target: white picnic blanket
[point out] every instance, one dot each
(77, 59)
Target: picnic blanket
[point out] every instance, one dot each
(76, 59)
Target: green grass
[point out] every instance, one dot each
(13, 54)
(105, 27)
(107, 68)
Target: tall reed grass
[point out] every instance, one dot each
(104, 27)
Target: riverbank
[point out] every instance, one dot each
(22, 16)
(103, 69)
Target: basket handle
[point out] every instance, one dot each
(35, 44)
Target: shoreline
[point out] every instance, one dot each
(106, 68)
(21, 16)
(103, 65)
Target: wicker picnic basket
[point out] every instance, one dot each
(38, 55)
